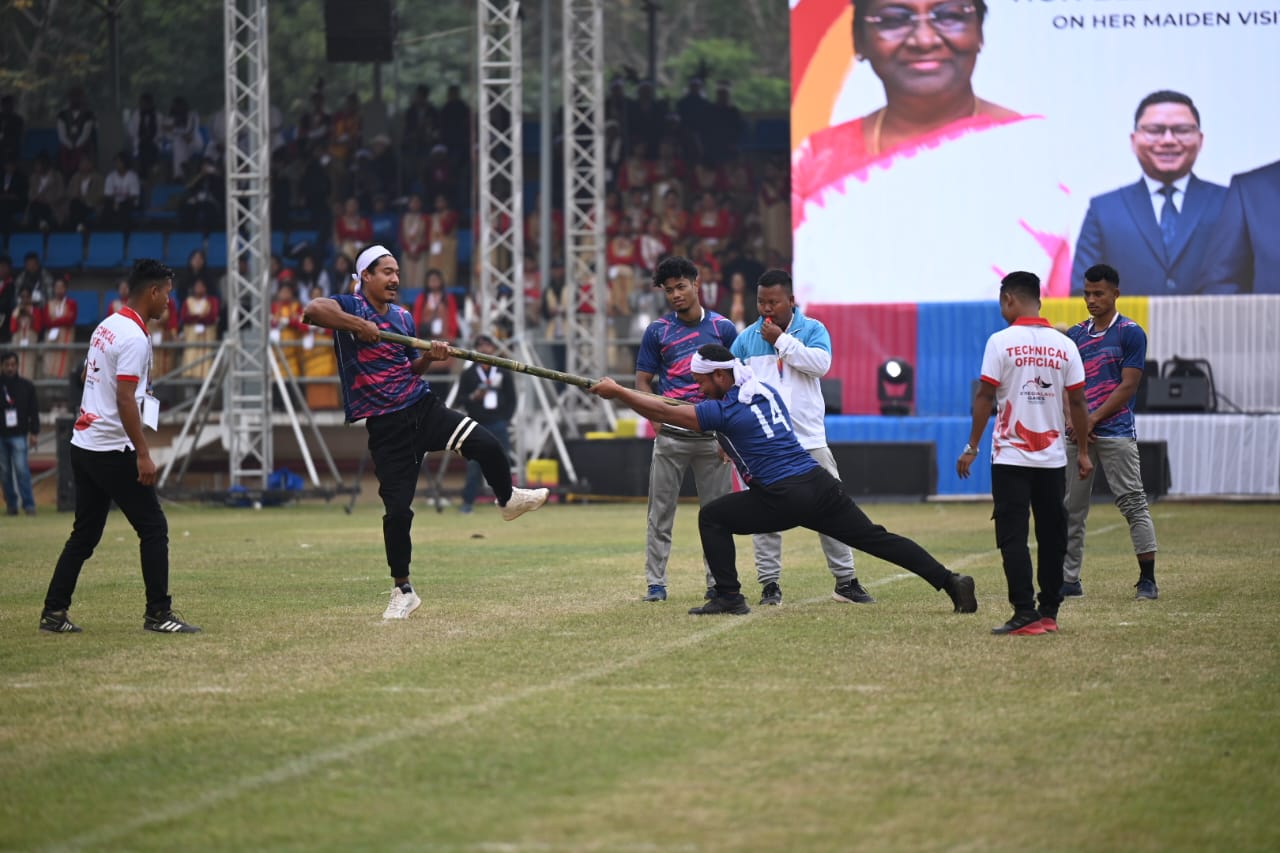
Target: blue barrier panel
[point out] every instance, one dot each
(949, 435)
(950, 338)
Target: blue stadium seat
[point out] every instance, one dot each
(163, 201)
(303, 235)
(21, 244)
(88, 306)
(386, 228)
(277, 243)
(145, 244)
(464, 247)
(180, 246)
(217, 251)
(65, 251)
(106, 250)
(39, 140)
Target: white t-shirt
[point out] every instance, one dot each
(1032, 366)
(119, 349)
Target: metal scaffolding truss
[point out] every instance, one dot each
(500, 209)
(584, 249)
(246, 364)
(248, 378)
(501, 176)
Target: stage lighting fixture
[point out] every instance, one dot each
(896, 387)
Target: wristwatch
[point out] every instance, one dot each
(969, 450)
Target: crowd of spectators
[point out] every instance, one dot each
(677, 184)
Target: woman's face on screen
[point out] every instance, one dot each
(920, 47)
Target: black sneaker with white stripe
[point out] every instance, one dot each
(167, 622)
(56, 622)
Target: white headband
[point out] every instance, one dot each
(706, 365)
(366, 258)
(743, 376)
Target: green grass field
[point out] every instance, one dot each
(534, 703)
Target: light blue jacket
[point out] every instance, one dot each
(795, 366)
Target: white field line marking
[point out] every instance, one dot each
(305, 765)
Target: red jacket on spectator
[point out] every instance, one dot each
(208, 317)
(622, 250)
(710, 224)
(433, 305)
(360, 231)
(635, 173)
(64, 320)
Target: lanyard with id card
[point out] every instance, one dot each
(150, 408)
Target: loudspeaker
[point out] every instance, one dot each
(357, 30)
(832, 395)
(1153, 463)
(1182, 394)
(1150, 370)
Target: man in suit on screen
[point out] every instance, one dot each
(1157, 230)
(1244, 251)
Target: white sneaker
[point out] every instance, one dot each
(522, 501)
(401, 604)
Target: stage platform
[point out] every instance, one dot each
(1209, 455)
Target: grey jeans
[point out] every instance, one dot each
(1119, 460)
(671, 458)
(768, 546)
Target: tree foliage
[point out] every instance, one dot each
(172, 48)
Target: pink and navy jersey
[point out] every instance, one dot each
(378, 378)
(1106, 354)
(668, 346)
(758, 437)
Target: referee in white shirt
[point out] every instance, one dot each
(1028, 371)
(110, 458)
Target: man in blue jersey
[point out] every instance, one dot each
(794, 352)
(662, 367)
(786, 488)
(382, 383)
(1114, 351)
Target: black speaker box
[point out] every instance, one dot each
(358, 30)
(1179, 394)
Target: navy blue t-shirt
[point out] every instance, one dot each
(758, 437)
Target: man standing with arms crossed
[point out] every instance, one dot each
(1114, 351)
(792, 353)
(1027, 370)
(662, 367)
(110, 459)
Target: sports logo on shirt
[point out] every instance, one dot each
(1036, 390)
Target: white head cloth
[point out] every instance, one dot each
(366, 259)
(743, 376)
